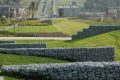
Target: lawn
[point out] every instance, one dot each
(94, 22)
(67, 26)
(18, 59)
(26, 29)
(107, 39)
(60, 25)
(71, 26)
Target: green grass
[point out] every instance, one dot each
(68, 27)
(10, 78)
(60, 25)
(6, 59)
(94, 22)
(107, 39)
(26, 29)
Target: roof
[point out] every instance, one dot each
(12, 5)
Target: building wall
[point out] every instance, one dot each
(69, 12)
(4, 11)
(113, 12)
(11, 12)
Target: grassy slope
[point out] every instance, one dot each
(70, 27)
(60, 25)
(18, 59)
(107, 39)
(35, 29)
(94, 22)
(67, 26)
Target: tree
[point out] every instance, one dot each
(0, 2)
(32, 7)
(101, 5)
(3, 21)
(74, 3)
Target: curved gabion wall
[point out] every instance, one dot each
(67, 71)
(71, 54)
(36, 45)
(1, 42)
(95, 30)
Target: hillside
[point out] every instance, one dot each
(68, 26)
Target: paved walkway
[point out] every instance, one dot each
(35, 38)
(6, 28)
(9, 27)
(1, 78)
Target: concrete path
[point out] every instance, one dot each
(35, 38)
(6, 28)
(1, 78)
(9, 27)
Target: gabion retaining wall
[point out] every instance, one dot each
(67, 71)
(95, 30)
(37, 45)
(7, 42)
(70, 54)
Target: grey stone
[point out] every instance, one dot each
(70, 54)
(76, 70)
